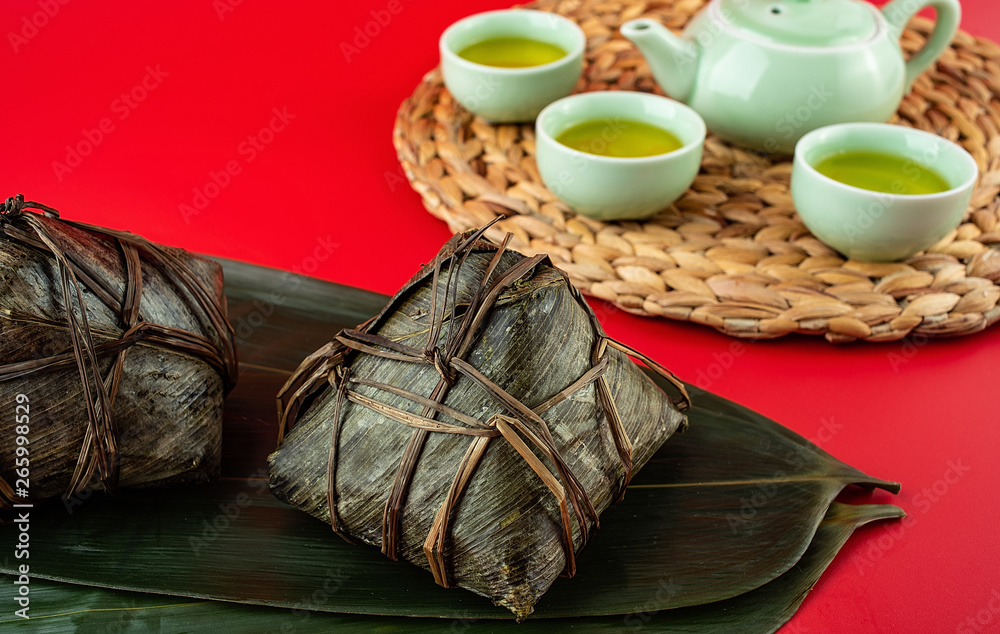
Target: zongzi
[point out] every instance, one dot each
(476, 427)
(117, 351)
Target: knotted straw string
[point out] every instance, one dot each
(99, 451)
(520, 426)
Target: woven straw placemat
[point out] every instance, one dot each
(731, 253)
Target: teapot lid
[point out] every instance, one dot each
(811, 23)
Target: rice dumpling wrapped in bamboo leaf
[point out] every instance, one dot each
(116, 350)
(476, 427)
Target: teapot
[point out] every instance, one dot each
(763, 73)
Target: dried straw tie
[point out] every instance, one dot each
(99, 452)
(521, 427)
(731, 253)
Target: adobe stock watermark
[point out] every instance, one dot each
(984, 620)
(485, 88)
(913, 170)
(124, 615)
(899, 13)
(925, 500)
(247, 152)
(827, 429)
(793, 121)
(79, 498)
(582, 160)
(22, 509)
(333, 581)
(224, 7)
(462, 623)
(750, 505)
(229, 512)
(790, 124)
(364, 34)
(395, 178)
(666, 590)
(70, 502)
(245, 326)
(122, 106)
(32, 25)
(911, 345)
(798, 459)
(721, 363)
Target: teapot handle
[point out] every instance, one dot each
(949, 13)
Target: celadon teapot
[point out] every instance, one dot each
(763, 73)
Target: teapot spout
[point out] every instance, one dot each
(674, 61)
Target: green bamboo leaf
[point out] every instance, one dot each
(753, 487)
(769, 486)
(59, 607)
(722, 509)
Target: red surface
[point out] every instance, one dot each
(324, 195)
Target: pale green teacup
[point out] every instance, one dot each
(610, 187)
(507, 95)
(881, 225)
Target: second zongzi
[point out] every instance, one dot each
(476, 427)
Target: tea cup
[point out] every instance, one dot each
(508, 95)
(864, 224)
(614, 187)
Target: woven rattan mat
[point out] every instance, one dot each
(731, 253)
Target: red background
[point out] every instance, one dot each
(329, 180)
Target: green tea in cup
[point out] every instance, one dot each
(512, 52)
(880, 192)
(619, 138)
(505, 66)
(618, 154)
(881, 172)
